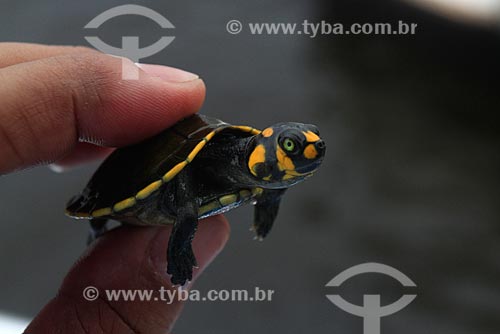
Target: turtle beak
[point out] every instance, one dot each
(311, 167)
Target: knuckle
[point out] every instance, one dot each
(88, 76)
(88, 80)
(86, 67)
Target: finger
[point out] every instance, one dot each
(47, 106)
(82, 153)
(15, 53)
(126, 259)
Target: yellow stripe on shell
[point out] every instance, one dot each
(149, 190)
(177, 168)
(154, 186)
(208, 207)
(196, 150)
(174, 171)
(125, 204)
(311, 137)
(228, 199)
(102, 212)
(245, 193)
(245, 128)
(209, 136)
(257, 191)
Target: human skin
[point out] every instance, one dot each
(62, 106)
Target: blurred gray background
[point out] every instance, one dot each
(411, 177)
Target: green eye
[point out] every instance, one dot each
(288, 144)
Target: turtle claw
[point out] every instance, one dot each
(258, 238)
(180, 266)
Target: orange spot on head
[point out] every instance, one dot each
(284, 161)
(310, 152)
(258, 156)
(311, 137)
(267, 132)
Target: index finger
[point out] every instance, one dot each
(12, 53)
(48, 105)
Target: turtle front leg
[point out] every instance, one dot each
(180, 256)
(97, 228)
(266, 210)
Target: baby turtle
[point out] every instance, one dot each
(198, 168)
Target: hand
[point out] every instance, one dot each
(63, 105)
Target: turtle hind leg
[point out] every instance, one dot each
(97, 228)
(265, 211)
(180, 256)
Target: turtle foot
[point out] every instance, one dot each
(180, 266)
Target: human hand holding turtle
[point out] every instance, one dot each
(198, 168)
(56, 103)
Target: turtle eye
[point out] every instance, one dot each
(289, 145)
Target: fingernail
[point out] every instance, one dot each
(168, 73)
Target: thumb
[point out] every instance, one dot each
(125, 259)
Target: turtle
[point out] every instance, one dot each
(199, 167)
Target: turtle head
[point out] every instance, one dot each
(286, 153)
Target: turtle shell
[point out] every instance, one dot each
(133, 173)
